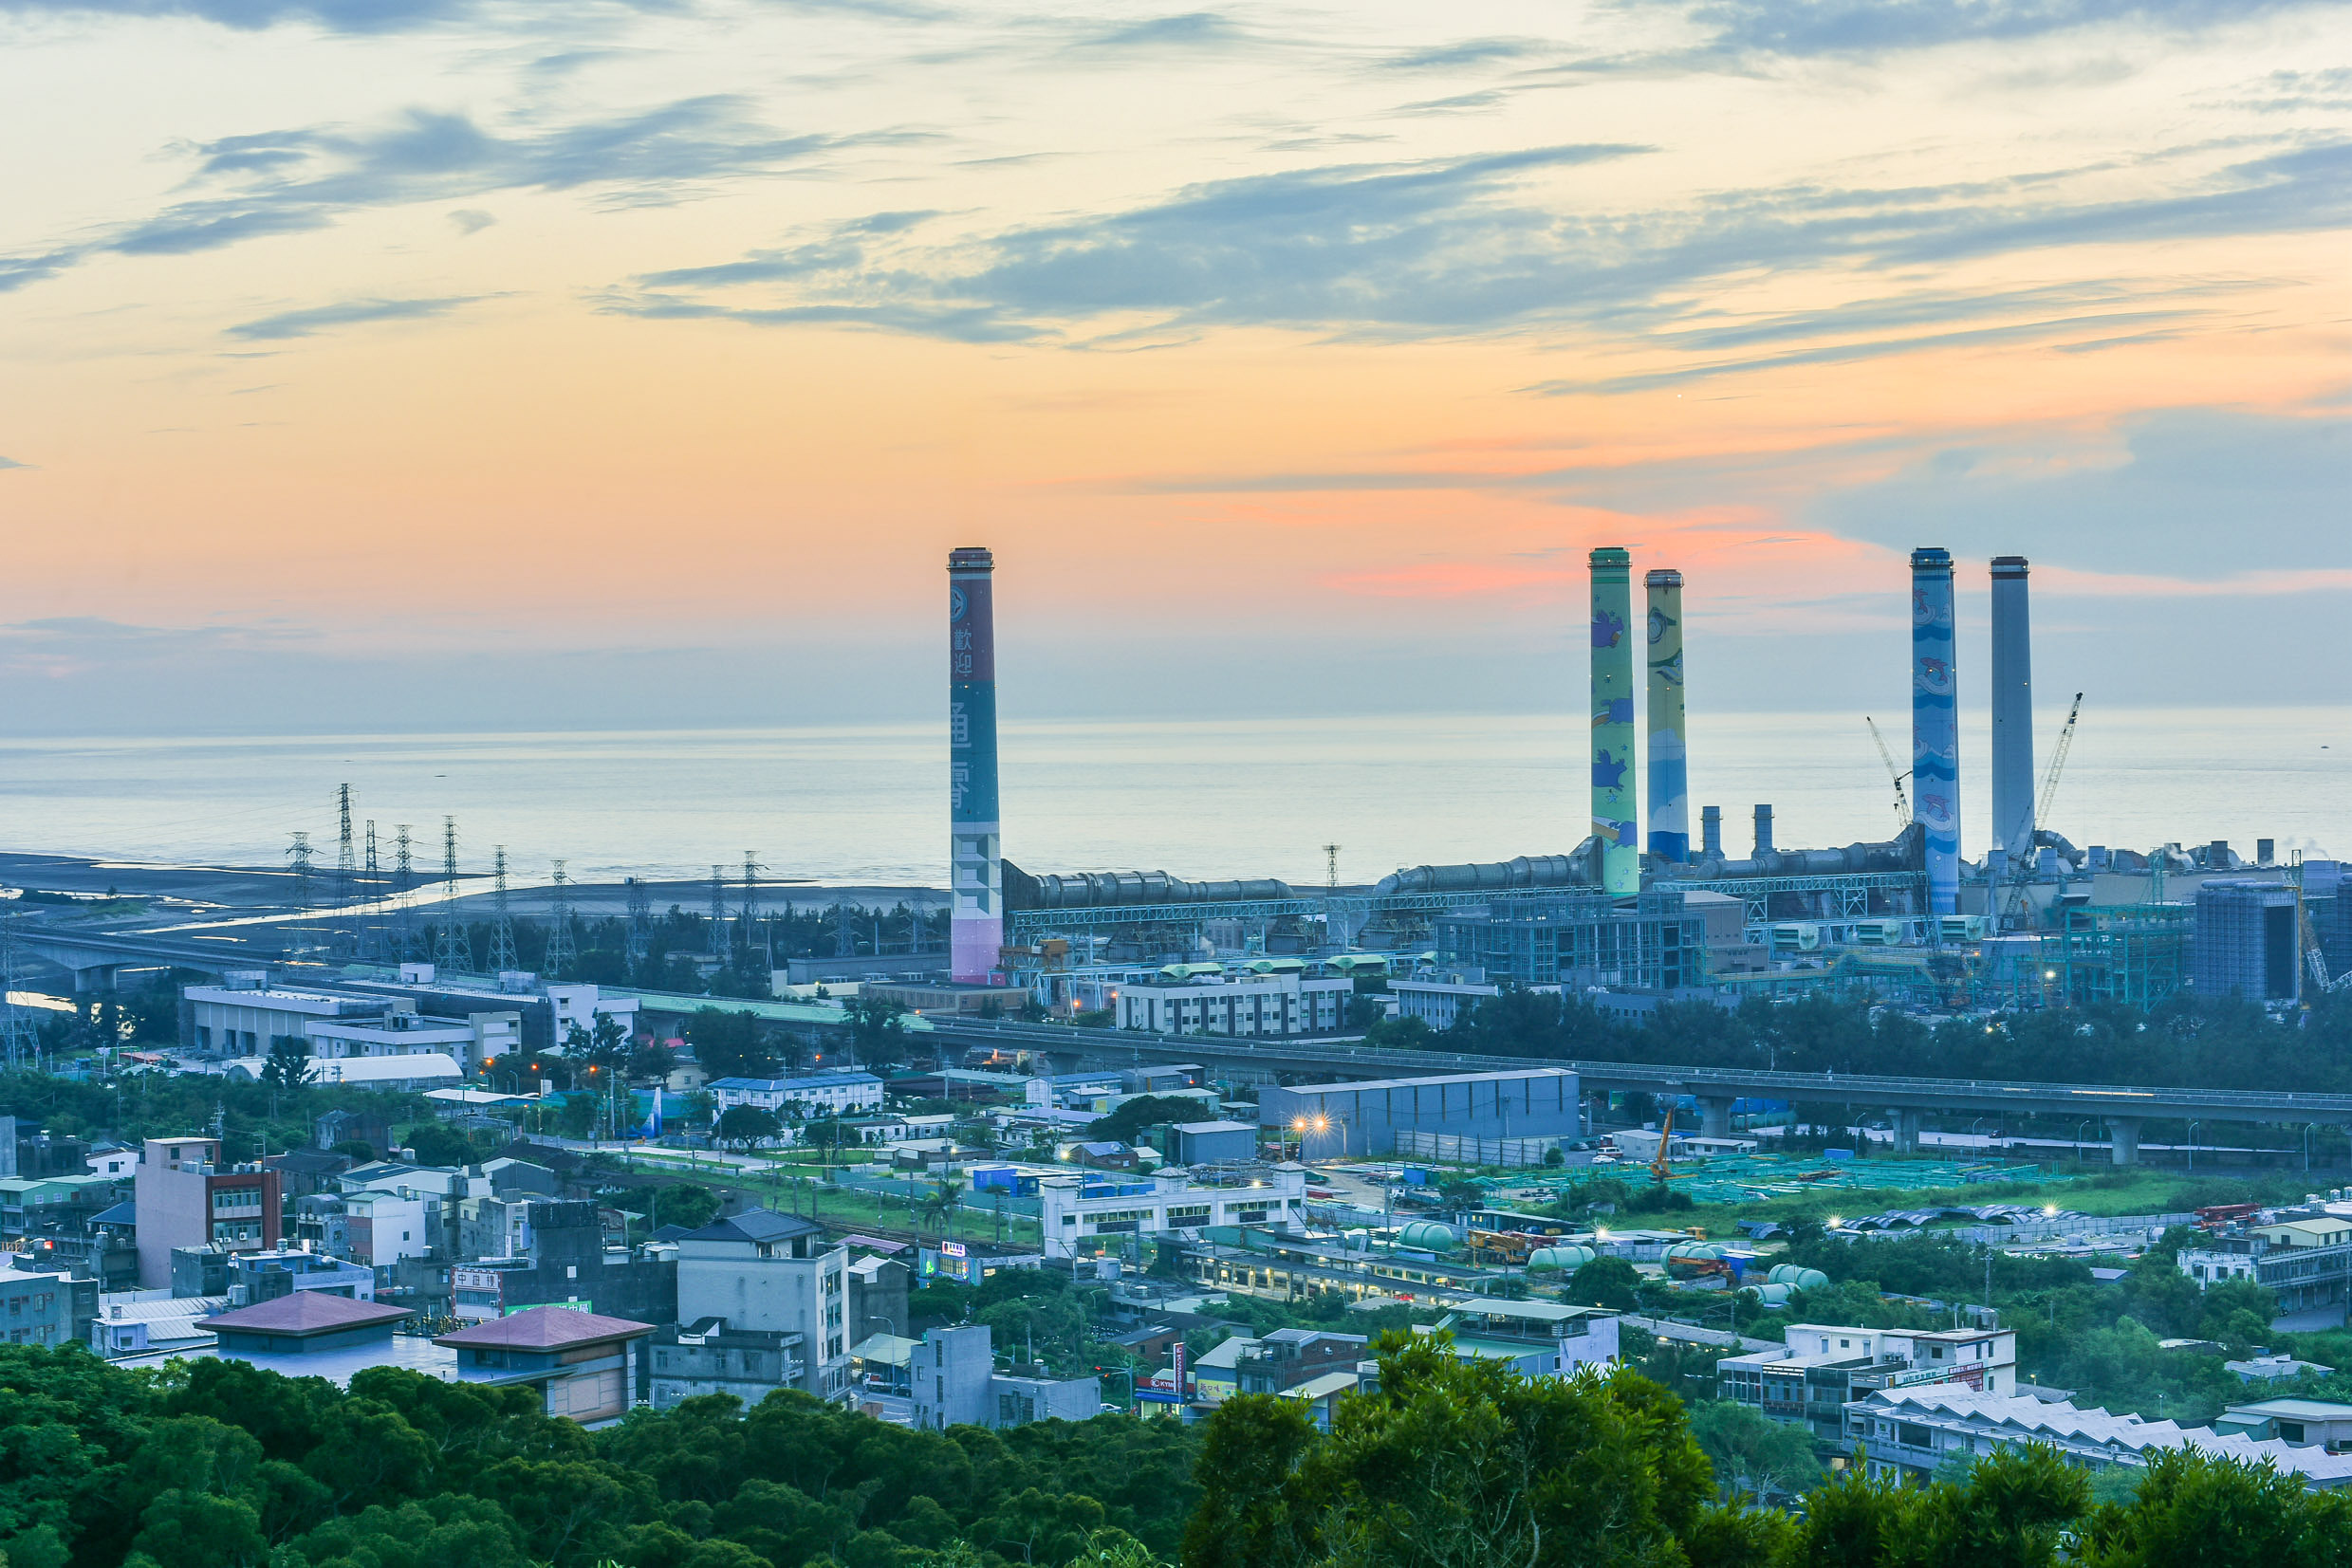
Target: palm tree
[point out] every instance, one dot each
(943, 1203)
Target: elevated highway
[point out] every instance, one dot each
(2120, 1108)
(93, 955)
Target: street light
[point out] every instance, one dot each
(2193, 1127)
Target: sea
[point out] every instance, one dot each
(850, 805)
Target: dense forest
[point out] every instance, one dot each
(1449, 1464)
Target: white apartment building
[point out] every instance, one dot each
(1819, 1369)
(1203, 999)
(1108, 1206)
(584, 1003)
(1440, 1002)
(817, 1095)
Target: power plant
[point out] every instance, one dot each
(975, 849)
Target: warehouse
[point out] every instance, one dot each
(1330, 1119)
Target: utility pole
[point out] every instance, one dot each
(502, 954)
(452, 949)
(561, 954)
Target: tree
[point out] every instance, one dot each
(745, 1126)
(288, 1065)
(2192, 1510)
(877, 1032)
(728, 1045)
(1130, 1117)
(688, 1204)
(1752, 1453)
(1605, 1282)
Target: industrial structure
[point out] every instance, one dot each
(1669, 805)
(975, 873)
(1613, 815)
(2012, 710)
(1936, 725)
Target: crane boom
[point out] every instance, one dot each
(1902, 798)
(2022, 857)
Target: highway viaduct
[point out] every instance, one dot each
(94, 956)
(2120, 1108)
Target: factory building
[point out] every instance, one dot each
(1197, 999)
(1580, 938)
(1364, 1119)
(2246, 942)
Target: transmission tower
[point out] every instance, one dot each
(300, 855)
(844, 933)
(404, 894)
(916, 911)
(561, 955)
(20, 1035)
(450, 947)
(640, 938)
(372, 926)
(502, 954)
(718, 913)
(346, 866)
(751, 923)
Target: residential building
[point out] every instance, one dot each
(1288, 1356)
(1258, 1260)
(257, 1277)
(1819, 1370)
(152, 1325)
(34, 1207)
(2302, 1423)
(772, 1273)
(581, 1363)
(1202, 999)
(817, 1095)
(1658, 942)
(1535, 1339)
(44, 1306)
(1910, 1433)
(1364, 1119)
(564, 1260)
(878, 1290)
(312, 1334)
(708, 1357)
(2246, 943)
(187, 1197)
(1019, 1399)
(949, 1372)
(1083, 1213)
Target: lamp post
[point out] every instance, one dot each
(2193, 1127)
(2078, 1137)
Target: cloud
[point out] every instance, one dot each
(389, 16)
(304, 323)
(1469, 51)
(1872, 26)
(305, 179)
(1191, 30)
(1473, 244)
(471, 220)
(7, 463)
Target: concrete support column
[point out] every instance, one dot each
(1714, 1118)
(98, 977)
(1906, 1132)
(2123, 1139)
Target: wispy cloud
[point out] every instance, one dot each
(292, 181)
(1872, 26)
(7, 463)
(304, 323)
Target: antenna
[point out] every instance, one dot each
(451, 949)
(561, 954)
(502, 954)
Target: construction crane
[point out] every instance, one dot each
(1902, 797)
(2313, 959)
(2022, 856)
(1665, 1140)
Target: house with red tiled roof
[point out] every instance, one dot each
(584, 1366)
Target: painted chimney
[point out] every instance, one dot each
(1669, 805)
(1613, 789)
(2013, 708)
(1936, 725)
(975, 848)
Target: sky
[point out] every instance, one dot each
(455, 363)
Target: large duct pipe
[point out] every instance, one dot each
(2012, 707)
(1935, 725)
(1099, 888)
(1669, 805)
(1580, 868)
(976, 874)
(1711, 832)
(1613, 821)
(1899, 854)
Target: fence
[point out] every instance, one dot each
(1454, 1148)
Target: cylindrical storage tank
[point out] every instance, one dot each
(1613, 787)
(1670, 808)
(1428, 1234)
(1768, 1296)
(1569, 1258)
(1810, 1279)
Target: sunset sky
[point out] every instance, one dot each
(427, 361)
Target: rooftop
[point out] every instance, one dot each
(755, 1225)
(304, 1313)
(543, 1328)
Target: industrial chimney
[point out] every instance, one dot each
(1764, 830)
(1936, 725)
(2012, 710)
(1711, 831)
(975, 866)
(1613, 821)
(1669, 805)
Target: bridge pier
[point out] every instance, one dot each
(1906, 1131)
(2123, 1139)
(1714, 1117)
(97, 977)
